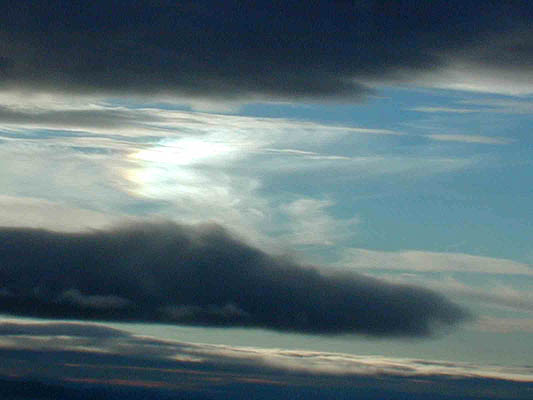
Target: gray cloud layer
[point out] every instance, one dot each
(317, 50)
(201, 276)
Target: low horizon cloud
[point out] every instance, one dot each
(115, 358)
(203, 276)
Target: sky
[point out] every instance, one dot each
(218, 200)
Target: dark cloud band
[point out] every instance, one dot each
(201, 276)
(78, 360)
(306, 50)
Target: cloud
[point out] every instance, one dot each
(95, 119)
(469, 139)
(494, 294)
(522, 106)
(309, 155)
(445, 273)
(505, 325)
(425, 261)
(20, 112)
(498, 295)
(188, 166)
(319, 50)
(31, 212)
(121, 342)
(503, 106)
(202, 276)
(309, 224)
(474, 76)
(112, 357)
(444, 110)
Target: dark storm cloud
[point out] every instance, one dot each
(310, 49)
(201, 276)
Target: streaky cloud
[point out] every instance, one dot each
(450, 110)
(427, 261)
(201, 275)
(469, 139)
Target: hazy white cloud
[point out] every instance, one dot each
(310, 224)
(195, 163)
(516, 105)
(412, 267)
(425, 261)
(469, 139)
(69, 177)
(504, 325)
(35, 101)
(444, 110)
(18, 211)
(99, 115)
(503, 106)
(494, 294)
(470, 77)
(188, 166)
(310, 155)
(348, 364)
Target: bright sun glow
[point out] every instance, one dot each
(174, 168)
(185, 152)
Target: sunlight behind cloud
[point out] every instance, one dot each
(175, 168)
(189, 151)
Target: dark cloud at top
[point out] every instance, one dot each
(224, 49)
(201, 276)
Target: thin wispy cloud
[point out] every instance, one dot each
(310, 224)
(469, 139)
(444, 110)
(307, 154)
(192, 165)
(426, 261)
(472, 76)
(492, 295)
(496, 106)
(505, 325)
(503, 106)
